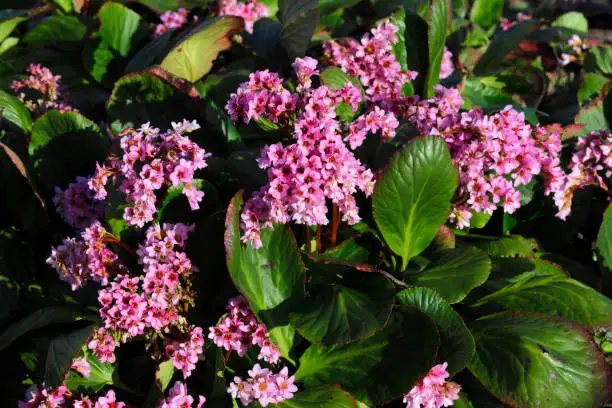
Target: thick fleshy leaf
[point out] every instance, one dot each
(413, 196)
(486, 12)
(398, 19)
(501, 45)
(595, 115)
(599, 59)
(353, 307)
(573, 20)
(15, 111)
(193, 57)
(118, 24)
(56, 29)
(325, 396)
(9, 19)
(164, 373)
(506, 246)
(101, 375)
(417, 50)
(271, 278)
(62, 351)
(537, 360)
(455, 272)
(604, 241)
(591, 85)
(379, 368)
(55, 137)
(456, 342)
(298, 19)
(350, 250)
(436, 38)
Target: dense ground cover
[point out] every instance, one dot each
(303, 204)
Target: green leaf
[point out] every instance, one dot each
(348, 251)
(417, 50)
(398, 19)
(413, 196)
(9, 19)
(456, 342)
(506, 246)
(455, 272)
(591, 85)
(485, 92)
(436, 38)
(14, 111)
(172, 193)
(56, 29)
(535, 360)
(379, 368)
(55, 138)
(41, 318)
(556, 295)
(164, 373)
(271, 278)
(151, 53)
(193, 57)
(298, 19)
(325, 396)
(329, 6)
(101, 375)
(604, 241)
(62, 350)
(573, 20)
(501, 45)
(353, 307)
(486, 12)
(599, 59)
(118, 24)
(596, 115)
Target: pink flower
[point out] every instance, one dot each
(82, 367)
(171, 19)
(263, 386)
(178, 398)
(42, 82)
(185, 355)
(76, 204)
(446, 69)
(41, 396)
(109, 401)
(433, 391)
(249, 10)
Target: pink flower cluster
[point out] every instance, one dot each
(77, 261)
(134, 306)
(319, 165)
(171, 19)
(41, 91)
(239, 329)
(575, 50)
(372, 61)
(495, 154)
(249, 10)
(76, 204)
(43, 397)
(446, 68)
(263, 386)
(184, 355)
(109, 400)
(153, 160)
(104, 344)
(178, 398)
(591, 164)
(506, 23)
(81, 366)
(433, 391)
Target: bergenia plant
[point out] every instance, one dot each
(261, 203)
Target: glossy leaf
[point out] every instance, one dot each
(486, 12)
(536, 360)
(163, 374)
(556, 295)
(271, 278)
(193, 57)
(436, 38)
(573, 20)
(596, 114)
(101, 375)
(398, 19)
(413, 196)
(599, 59)
(118, 24)
(379, 368)
(325, 396)
(15, 111)
(456, 342)
(604, 241)
(62, 351)
(591, 85)
(9, 19)
(298, 19)
(455, 272)
(56, 29)
(506, 246)
(353, 307)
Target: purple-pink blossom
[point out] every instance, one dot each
(42, 397)
(263, 386)
(77, 205)
(178, 398)
(171, 19)
(185, 354)
(81, 366)
(41, 91)
(249, 10)
(446, 67)
(433, 391)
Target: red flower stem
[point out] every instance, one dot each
(319, 241)
(335, 225)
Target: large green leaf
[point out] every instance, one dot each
(398, 19)
(505, 247)
(596, 115)
(193, 57)
(101, 374)
(604, 244)
(413, 196)
(56, 29)
(556, 295)
(379, 368)
(55, 138)
(62, 350)
(14, 111)
(350, 308)
(455, 272)
(325, 396)
(118, 24)
(9, 19)
(417, 50)
(41, 318)
(501, 45)
(271, 278)
(573, 20)
(536, 360)
(486, 12)
(456, 341)
(591, 85)
(298, 19)
(436, 38)
(599, 59)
